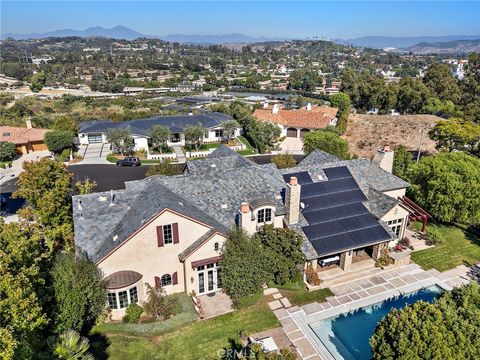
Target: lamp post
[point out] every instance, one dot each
(420, 145)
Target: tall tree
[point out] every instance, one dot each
(441, 82)
(7, 151)
(457, 135)
(448, 186)
(38, 81)
(122, 140)
(194, 135)
(327, 141)
(80, 294)
(412, 95)
(58, 140)
(229, 128)
(160, 135)
(402, 162)
(46, 185)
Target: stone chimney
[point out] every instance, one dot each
(246, 222)
(29, 124)
(384, 158)
(292, 200)
(309, 107)
(275, 109)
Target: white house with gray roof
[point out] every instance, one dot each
(95, 131)
(169, 231)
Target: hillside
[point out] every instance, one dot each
(448, 47)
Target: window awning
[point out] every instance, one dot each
(204, 262)
(121, 279)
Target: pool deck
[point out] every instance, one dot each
(393, 281)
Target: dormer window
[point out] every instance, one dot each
(264, 216)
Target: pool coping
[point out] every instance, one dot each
(297, 321)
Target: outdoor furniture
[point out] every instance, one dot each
(267, 344)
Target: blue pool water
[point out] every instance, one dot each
(347, 336)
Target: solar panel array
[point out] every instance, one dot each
(337, 219)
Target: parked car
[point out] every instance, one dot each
(129, 161)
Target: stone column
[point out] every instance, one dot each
(292, 200)
(313, 264)
(298, 133)
(377, 250)
(346, 260)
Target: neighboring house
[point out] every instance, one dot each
(297, 122)
(96, 131)
(26, 139)
(169, 231)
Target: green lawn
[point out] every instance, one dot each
(185, 314)
(458, 247)
(298, 294)
(203, 339)
(249, 150)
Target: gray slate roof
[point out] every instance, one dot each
(175, 123)
(211, 192)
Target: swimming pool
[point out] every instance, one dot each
(347, 336)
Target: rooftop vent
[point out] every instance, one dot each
(180, 203)
(102, 198)
(224, 206)
(115, 237)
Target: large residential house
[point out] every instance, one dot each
(26, 139)
(96, 131)
(297, 122)
(168, 231)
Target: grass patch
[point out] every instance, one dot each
(5, 164)
(250, 300)
(249, 150)
(200, 340)
(185, 315)
(458, 247)
(303, 296)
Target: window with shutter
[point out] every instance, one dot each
(174, 278)
(160, 236)
(175, 233)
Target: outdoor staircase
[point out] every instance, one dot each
(337, 276)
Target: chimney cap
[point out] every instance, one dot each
(293, 181)
(244, 208)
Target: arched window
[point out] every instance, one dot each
(264, 216)
(166, 280)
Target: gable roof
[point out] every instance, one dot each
(318, 117)
(21, 136)
(221, 159)
(175, 123)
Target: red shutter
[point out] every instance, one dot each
(174, 278)
(160, 236)
(175, 233)
(158, 284)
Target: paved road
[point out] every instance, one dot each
(108, 177)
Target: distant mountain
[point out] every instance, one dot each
(122, 32)
(217, 39)
(117, 32)
(381, 42)
(448, 47)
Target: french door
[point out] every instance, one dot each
(208, 279)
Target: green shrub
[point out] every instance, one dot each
(58, 140)
(132, 313)
(312, 276)
(433, 236)
(7, 151)
(283, 161)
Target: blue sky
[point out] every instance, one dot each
(331, 19)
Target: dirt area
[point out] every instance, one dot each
(367, 133)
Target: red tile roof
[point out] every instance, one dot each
(318, 117)
(21, 136)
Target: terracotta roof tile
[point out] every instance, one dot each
(317, 118)
(19, 136)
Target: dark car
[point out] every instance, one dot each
(129, 161)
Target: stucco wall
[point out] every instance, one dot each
(142, 254)
(397, 212)
(395, 193)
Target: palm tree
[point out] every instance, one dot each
(72, 346)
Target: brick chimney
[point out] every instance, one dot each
(384, 158)
(292, 200)
(245, 215)
(265, 105)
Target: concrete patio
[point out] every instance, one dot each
(215, 304)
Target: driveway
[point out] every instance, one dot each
(17, 165)
(292, 145)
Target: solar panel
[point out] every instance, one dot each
(341, 242)
(303, 177)
(337, 173)
(328, 187)
(342, 226)
(332, 200)
(333, 213)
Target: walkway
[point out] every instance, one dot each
(292, 146)
(179, 152)
(393, 281)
